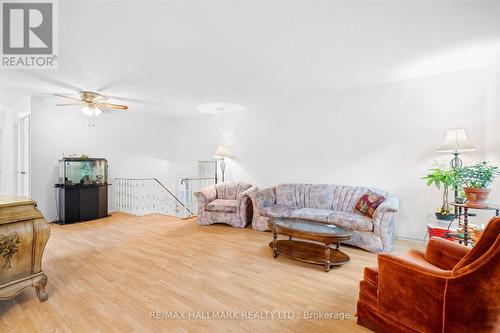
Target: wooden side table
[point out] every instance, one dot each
(463, 210)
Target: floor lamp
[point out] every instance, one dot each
(456, 142)
(222, 152)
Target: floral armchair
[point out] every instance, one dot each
(227, 203)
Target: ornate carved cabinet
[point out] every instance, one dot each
(23, 235)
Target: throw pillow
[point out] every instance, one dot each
(368, 203)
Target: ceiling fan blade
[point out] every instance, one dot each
(109, 85)
(111, 106)
(43, 81)
(46, 78)
(132, 100)
(69, 104)
(76, 99)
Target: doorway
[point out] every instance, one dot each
(22, 153)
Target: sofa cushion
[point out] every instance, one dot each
(351, 221)
(321, 196)
(290, 195)
(277, 211)
(368, 203)
(313, 214)
(222, 206)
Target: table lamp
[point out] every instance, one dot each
(456, 142)
(222, 152)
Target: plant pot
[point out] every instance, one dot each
(445, 217)
(477, 196)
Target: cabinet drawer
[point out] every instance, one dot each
(16, 250)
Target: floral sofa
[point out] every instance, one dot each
(332, 204)
(227, 202)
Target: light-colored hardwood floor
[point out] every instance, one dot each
(110, 275)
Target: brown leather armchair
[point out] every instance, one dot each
(449, 288)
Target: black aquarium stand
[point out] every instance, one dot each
(82, 202)
(83, 189)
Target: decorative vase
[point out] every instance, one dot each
(477, 196)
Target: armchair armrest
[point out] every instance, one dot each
(410, 293)
(261, 198)
(204, 196)
(246, 192)
(444, 253)
(265, 197)
(245, 208)
(390, 204)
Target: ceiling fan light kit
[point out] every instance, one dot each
(91, 111)
(93, 103)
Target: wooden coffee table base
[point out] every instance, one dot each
(310, 252)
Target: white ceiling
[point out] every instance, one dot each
(178, 55)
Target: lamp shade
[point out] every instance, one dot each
(222, 152)
(456, 142)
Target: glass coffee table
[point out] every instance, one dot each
(320, 254)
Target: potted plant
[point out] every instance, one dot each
(446, 179)
(476, 180)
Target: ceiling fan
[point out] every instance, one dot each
(93, 103)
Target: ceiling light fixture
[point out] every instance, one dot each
(91, 110)
(93, 103)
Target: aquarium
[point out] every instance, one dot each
(83, 171)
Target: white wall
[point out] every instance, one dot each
(382, 135)
(133, 145)
(492, 122)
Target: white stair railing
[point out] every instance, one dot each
(147, 196)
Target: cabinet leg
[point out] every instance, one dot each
(40, 288)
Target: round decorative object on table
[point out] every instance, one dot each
(320, 254)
